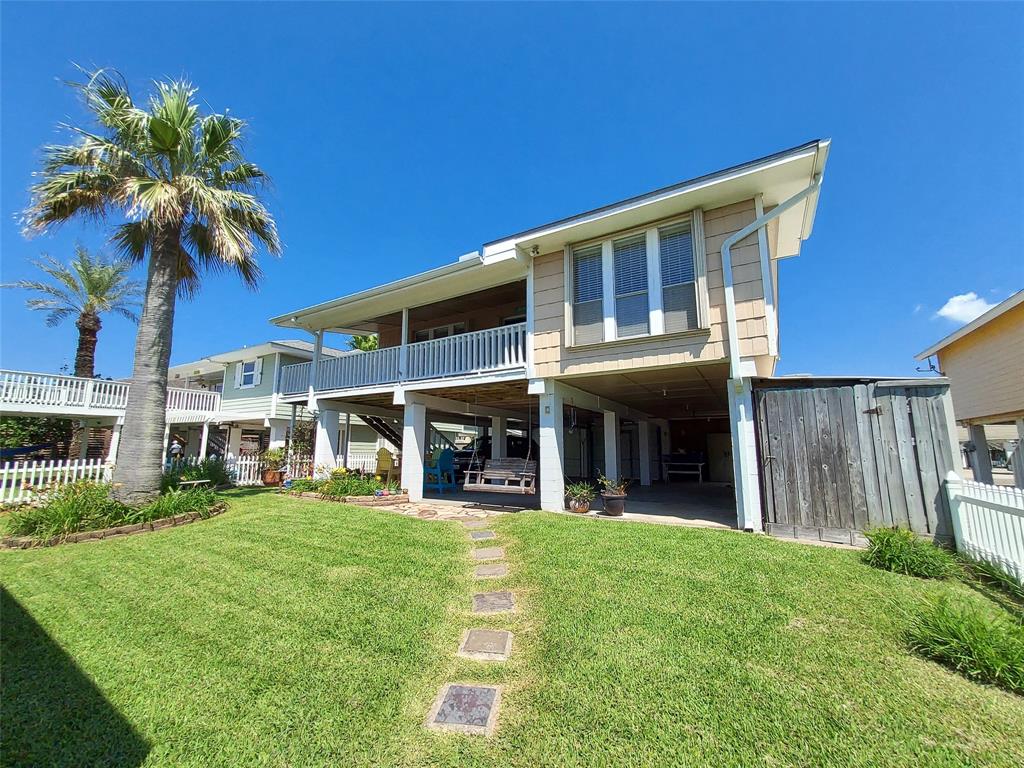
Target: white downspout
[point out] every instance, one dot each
(730, 302)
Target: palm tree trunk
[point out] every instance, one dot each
(137, 474)
(88, 325)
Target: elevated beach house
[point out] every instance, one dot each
(622, 340)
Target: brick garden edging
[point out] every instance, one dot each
(27, 542)
(359, 501)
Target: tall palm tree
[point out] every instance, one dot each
(86, 288)
(189, 202)
(364, 343)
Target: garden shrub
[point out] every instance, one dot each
(986, 647)
(209, 469)
(901, 551)
(342, 483)
(88, 506)
(305, 485)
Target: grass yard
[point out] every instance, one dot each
(295, 633)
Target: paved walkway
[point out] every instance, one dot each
(427, 510)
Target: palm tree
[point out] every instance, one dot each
(85, 289)
(364, 343)
(188, 197)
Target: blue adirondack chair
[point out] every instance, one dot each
(441, 475)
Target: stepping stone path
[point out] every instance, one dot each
(489, 553)
(464, 707)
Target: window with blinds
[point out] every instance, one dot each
(587, 291)
(632, 313)
(678, 277)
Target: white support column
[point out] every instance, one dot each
(291, 428)
(325, 444)
(278, 433)
(167, 437)
(498, 425)
(318, 348)
(551, 444)
(204, 440)
(115, 441)
(414, 445)
(233, 446)
(611, 445)
(982, 463)
(348, 440)
(1018, 456)
(403, 350)
(744, 456)
(644, 436)
(83, 448)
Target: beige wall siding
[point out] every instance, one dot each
(986, 369)
(551, 357)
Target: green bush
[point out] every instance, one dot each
(305, 485)
(345, 483)
(901, 551)
(987, 647)
(88, 506)
(209, 469)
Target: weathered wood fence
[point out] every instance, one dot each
(838, 457)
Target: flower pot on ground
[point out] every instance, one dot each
(613, 495)
(578, 497)
(273, 462)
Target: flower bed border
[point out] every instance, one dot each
(27, 542)
(359, 501)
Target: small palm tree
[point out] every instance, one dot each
(86, 288)
(364, 343)
(188, 197)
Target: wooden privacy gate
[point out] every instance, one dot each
(838, 457)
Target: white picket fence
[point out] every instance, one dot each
(21, 480)
(988, 523)
(246, 470)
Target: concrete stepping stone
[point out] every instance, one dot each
(494, 602)
(490, 571)
(482, 535)
(486, 644)
(488, 553)
(465, 708)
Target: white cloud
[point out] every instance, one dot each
(964, 307)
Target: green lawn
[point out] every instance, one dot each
(295, 633)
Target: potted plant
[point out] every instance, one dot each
(579, 496)
(613, 493)
(273, 462)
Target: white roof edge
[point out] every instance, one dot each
(1003, 307)
(445, 270)
(263, 348)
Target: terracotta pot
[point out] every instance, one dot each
(272, 476)
(614, 504)
(580, 506)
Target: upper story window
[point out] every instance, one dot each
(643, 283)
(440, 332)
(248, 373)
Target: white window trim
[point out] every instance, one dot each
(656, 320)
(450, 327)
(255, 374)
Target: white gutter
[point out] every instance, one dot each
(730, 302)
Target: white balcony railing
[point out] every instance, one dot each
(466, 354)
(49, 393)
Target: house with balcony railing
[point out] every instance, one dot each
(620, 341)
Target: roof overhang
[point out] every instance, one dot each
(776, 177)
(999, 309)
(469, 274)
(216, 363)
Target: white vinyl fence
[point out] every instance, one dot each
(246, 470)
(21, 480)
(303, 466)
(988, 522)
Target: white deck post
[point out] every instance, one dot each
(498, 437)
(403, 351)
(115, 441)
(204, 440)
(318, 347)
(982, 463)
(233, 446)
(551, 444)
(83, 449)
(744, 456)
(644, 436)
(414, 444)
(611, 445)
(291, 428)
(325, 443)
(1018, 456)
(348, 440)
(167, 437)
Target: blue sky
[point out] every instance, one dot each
(401, 136)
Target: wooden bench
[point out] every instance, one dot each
(502, 476)
(192, 483)
(675, 465)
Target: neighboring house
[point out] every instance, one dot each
(616, 337)
(984, 362)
